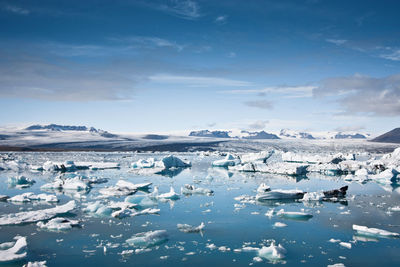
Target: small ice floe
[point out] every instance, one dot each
(35, 264)
(29, 197)
(229, 160)
(313, 196)
(144, 163)
(272, 252)
(58, 224)
(123, 188)
(100, 165)
(246, 199)
(148, 239)
(224, 249)
(66, 184)
(37, 215)
(345, 244)
(186, 228)
(284, 168)
(332, 240)
(192, 190)
(294, 215)
(264, 192)
(67, 166)
(374, 232)
(171, 195)
(262, 156)
(142, 201)
(211, 246)
(132, 213)
(20, 181)
(107, 209)
(11, 251)
(336, 265)
(279, 224)
(395, 208)
(4, 197)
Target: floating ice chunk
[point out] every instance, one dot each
(224, 248)
(66, 184)
(292, 169)
(28, 197)
(246, 167)
(361, 172)
(345, 244)
(37, 215)
(279, 224)
(174, 162)
(4, 197)
(131, 213)
(336, 265)
(313, 196)
(332, 240)
(144, 164)
(191, 190)
(273, 252)
(20, 181)
(211, 246)
(229, 160)
(364, 230)
(58, 224)
(35, 264)
(186, 228)
(14, 252)
(141, 201)
(170, 195)
(67, 166)
(257, 259)
(148, 239)
(252, 157)
(263, 188)
(395, 208)
(123, 188)
(131, 186)
(388, 174)
(99, 165)
(280, 194)
(294, 215)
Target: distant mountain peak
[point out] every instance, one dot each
(58, 127)
(392, 136)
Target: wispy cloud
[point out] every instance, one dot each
(150, 42)
(196, 81)
(262, 104)
(286, 91)
(221, 19)
(186, 9)
(16, 10)
(231, 55)
(350, 128)
(394, 55)
(258, 125)
(360, 94)
(336, 41)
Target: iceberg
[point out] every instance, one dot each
(123, 188)
(229, 160)
(313, 196)
(294, 215)
(36, 264)
(186, 228)
(58, 224)
(272, 252)
(37, 215)
(148, 239)
(66, 184)
(192, 190)
(28, 197)
(144, 163)
(13, 252)
(20, 181)
(374, 232)
(171, 195)
(264, 192)
(142, 201)
(284, 168)
(131, 213)
(175, 162)
(262, 156)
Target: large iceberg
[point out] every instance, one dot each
(229, 160)
(148, 239)
(272, 252)
(37, 215)
(58, 224)
(20, 181)
(375, 232)
(13, 251)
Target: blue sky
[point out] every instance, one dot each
(159, 66)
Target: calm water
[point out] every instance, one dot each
(306, 242)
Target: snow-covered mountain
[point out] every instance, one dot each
(294, 134)
(59, 128)
(392, 136)
(258, 135)
(207, 133)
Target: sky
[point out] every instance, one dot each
(179, 65)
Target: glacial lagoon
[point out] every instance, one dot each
(234, 230)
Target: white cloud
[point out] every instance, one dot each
(363, 94)
(197, 81)
(221, 19)
(336, 41)
(186, 9)
(262, 104)
(148, 42)
(17, 10)
(287, 91)
(393, 55)
(258, 125)
(231, 54)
